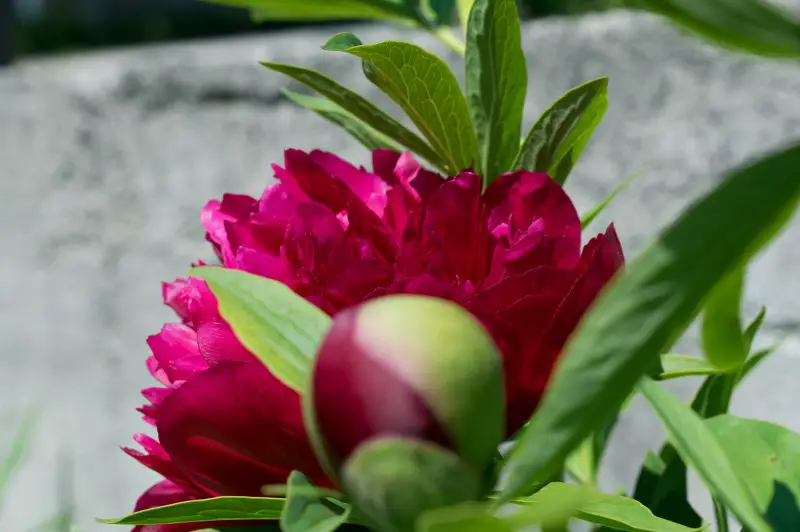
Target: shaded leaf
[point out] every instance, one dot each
(320, 10)
(425, 88)
(361, 108)
(556, 141)
(496, 83)
(721, 331)
(648, 307)
(766, 458)
(309, 512)
(462, 518)
(614, 511)
(198, 511)
(701, 449)
(751, 25)
(366, 135)
(278, 326)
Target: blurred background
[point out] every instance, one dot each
(48, 26)
(119, 119)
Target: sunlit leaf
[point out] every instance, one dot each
(721, 331)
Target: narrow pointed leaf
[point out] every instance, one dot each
(278, 326)
(308, 511)
(594, 212)
(366, 135)
(425, 88)
(677, 366)
(701, 449)
(497, 80)
(722, 339)
(755, 26)
(649, 307)
(361, 108)
(203, 510)
(13, 456)
(556, 141)
(753, 328)
(615, 511)
(754, 360)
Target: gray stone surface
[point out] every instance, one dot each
(105, 160)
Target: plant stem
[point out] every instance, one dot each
(721, 514)
(445, 35)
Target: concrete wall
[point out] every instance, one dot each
(105, 160)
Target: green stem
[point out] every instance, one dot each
(445, 35)
(721, 515)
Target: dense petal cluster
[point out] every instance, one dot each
(339, 235)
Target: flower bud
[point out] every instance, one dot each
(406, 366)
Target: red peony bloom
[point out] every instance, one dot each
(338, 235)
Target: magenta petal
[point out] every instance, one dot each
(368, 187)
(191, 299)
(155, 458)
(235, 428)
(263, 264)
(455, 230)
(217, 343)
(175, 349)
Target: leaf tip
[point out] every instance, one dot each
(341, 42)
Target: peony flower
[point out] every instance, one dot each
(339, 235)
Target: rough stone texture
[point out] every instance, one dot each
(106, 159)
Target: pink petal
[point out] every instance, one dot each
(263, 264)
(155, 458)
(191, 299)
(235, 428)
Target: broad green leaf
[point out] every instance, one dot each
(320, 10)
(496, 80)
(721, 330)
(556, 141)
(361, 108)
(202, 510)
(753, 328)
(309, 512)
(366, 135)
(649, 306)
(464, 7)
(425, 88)
(472, 517)
(676, 366)
(701, 449)
(614, 511)
(751, 25)
(595, 211)
(766, 458)
(278, 326)
(19, 444)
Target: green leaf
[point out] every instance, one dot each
(648, 308)
(497, 80)
(722, 339)
(278, 326)
(319, 10)
(677, 366)
(201, 510)
(661, 486)
(766, 458)
(361, 108)
(753, 328)
(425, 88)
(462, 518)
(750, 25)
(464, 8)
(754, 360)
(594, 212)
(556, 141)
(20, 443)
(701, 449)
(309, 512)
(366, 135)
(614, 511)
(392, 480)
